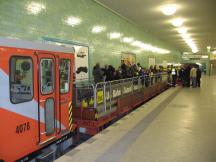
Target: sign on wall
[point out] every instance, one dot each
(212, 56)
(81, 62)
(164, 63)
(129, 58)
(151, 61)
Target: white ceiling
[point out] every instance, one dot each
(199, 15)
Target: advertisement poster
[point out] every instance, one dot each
(151, 62)
(81, 62)
(164, 63)
(129, 58)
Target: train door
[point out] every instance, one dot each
(48, 89)
(66, 82)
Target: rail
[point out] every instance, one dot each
(103, 96)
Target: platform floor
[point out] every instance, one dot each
(177, 126)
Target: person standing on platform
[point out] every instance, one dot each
(110, 73)
(187, 76)
(124, 69)
(97, 73)
(169, 74)
(199, 73)
(193, 76)
(104, 70)
(174, 75)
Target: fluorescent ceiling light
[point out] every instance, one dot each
(205, 56)
(98, 29)
(168, 9)
(194, 50)
(177, 22)
(138, 51)
(137, 43)
(198, 64)
(73, 21)
(185, 36)
(114, 35)
(149, 47)
(127, 39)
(188, 41)
(35, 8)
(182, 30)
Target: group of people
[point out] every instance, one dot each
(190, 75)
(109, 73)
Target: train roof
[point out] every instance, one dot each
(6, 42)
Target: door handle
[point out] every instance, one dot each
(43, 133)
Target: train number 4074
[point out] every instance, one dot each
(23, 128)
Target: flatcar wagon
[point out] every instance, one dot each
(95, 106)
(35, 98)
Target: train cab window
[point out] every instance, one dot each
(47, 76)
(64, 75)
(21, 79)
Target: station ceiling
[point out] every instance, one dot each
(198, 17)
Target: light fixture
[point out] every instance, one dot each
(138, 51)
(194, 50)
(185, 36)
(127, 39)
(73, 21)
(98, 29)
(208, 47)
(114, 35)
(35, 8)
(198, 64)
(189, 42)
(204, 56)
(177, 22)
(168, 9)
(137, 43)
(149, 47)
(182, 30)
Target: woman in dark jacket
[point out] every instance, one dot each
(110, 73)
(199, 73)
(97, 73)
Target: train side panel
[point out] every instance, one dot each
(18, 121)
(23, 116)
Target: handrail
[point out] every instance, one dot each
(111, 90)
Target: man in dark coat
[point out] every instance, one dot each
(97, 73)
(199, 73)
(124, 69)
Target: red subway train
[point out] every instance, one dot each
(35, 98)
(42, 111)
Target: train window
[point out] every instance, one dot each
(21, 79)
(47, 76)
(64, 75)
(49, 116)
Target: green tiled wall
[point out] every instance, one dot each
(15, 22)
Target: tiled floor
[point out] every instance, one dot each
(177, 126)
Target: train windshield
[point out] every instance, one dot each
(21, 79)
(47, 76)
(64, 75)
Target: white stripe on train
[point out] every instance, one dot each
(27, 109)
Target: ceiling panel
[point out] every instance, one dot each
(199, 18)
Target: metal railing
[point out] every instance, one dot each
(103, 96)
